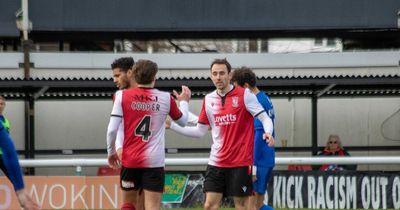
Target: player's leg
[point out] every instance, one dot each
(240, 186)
(152, 199)
(241, 202)
(129, 199)
(213, 200)
(252, 202)
(260, 187)
(130, 184)
(214, 187)
(153, 187)
(140, 201)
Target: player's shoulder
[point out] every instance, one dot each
(211, 94)
(262, 95)
(160, 95)
(117, 93)
(264, 100)
(240, 91)
(160, 92)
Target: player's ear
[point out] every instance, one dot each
(129, 73)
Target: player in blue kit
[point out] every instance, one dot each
(10, 166)
(264, 155)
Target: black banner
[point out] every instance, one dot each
(315, 190)
(334, 190)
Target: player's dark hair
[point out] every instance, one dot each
(222, 61)
(123, 63)
(244, 75)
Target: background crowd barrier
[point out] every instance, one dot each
(298, 188)
(79, 163)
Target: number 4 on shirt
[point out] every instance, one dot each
(143, 129)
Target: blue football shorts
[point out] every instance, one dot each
(263, 175)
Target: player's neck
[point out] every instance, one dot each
(254, 90)
(225, 90)
(145, 86)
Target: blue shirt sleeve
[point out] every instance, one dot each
(9, 158)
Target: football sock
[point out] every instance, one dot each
(128, 206)
(266, 207)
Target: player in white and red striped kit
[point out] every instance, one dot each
(144, 110)
(229, 111)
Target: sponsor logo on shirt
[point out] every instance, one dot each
(226, 119)
(127, 184)
(145, 98)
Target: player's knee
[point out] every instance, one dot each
(210, 206)
(128, 206)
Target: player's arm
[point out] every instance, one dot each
(114, 123)
(196, 132)
(192, 119)
(119, 140)
(255, 108)
(180, 115)
(184, 110)
(10, 161)
(12, 170)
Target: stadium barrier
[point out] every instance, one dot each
(287, 189)
(79, 163)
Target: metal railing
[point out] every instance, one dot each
(90, 162)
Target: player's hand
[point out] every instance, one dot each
(119, 154)
(254, 178)
(26, 201)
(185, 94)
(113, 161)
(168, 123)
(268, 137)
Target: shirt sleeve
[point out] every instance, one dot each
(114, 123)
(192, 119)
(252, 104)
(255, 108)
(119, 140)
(174, 111)
(10, 161)
(117, 106)
(179, 115)
(266, 122)
(196, 132)
(203, 119)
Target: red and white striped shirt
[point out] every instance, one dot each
(144, 111)
(231, 121)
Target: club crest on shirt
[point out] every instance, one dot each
(235, 101)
